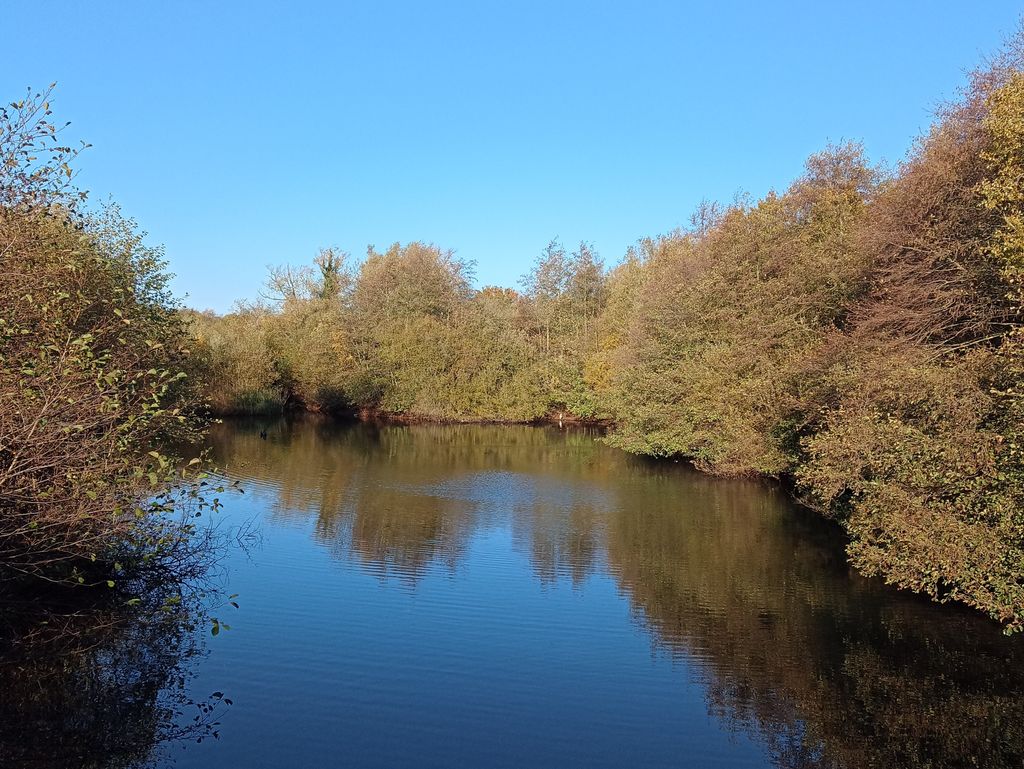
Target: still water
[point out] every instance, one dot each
(492, 596)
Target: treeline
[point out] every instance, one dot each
(405, 333)
(859, 333)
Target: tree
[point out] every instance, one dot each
(545, 284)
(93, 366)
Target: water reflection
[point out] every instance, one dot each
(824, 668)
(830, 669)
(89, 682)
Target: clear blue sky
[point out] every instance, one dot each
(242, 134)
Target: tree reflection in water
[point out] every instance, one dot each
(826, 668)
(97, 684)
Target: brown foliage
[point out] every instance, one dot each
(91, 356)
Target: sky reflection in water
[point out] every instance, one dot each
(438, 596)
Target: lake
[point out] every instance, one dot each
(513, 596)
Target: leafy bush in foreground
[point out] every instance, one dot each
(92, 357)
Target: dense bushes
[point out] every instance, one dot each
(405, 333)
(92, 358)
(859, 334)
(920, 452)
(862, 336)
(727, 314)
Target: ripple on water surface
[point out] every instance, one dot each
(435, 596)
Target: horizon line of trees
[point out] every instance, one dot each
(404, 333)
(859, 333)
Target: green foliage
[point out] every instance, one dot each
(566, 295)
(235, 353)
(863, 337)
(1003, 190)
(93, 378)
(723, 317)
(405, 334)
(918, 452)
(859, 334)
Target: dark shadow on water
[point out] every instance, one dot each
(87, 681)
